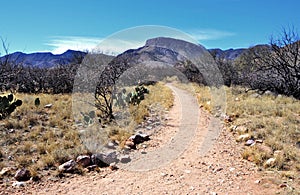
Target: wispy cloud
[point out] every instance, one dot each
(209, 34)
(60, 44)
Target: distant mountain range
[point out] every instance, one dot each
(48, 60)
(44, 59)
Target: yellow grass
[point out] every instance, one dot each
(275, 120)
(42, 138)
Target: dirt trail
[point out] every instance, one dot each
(220, 171)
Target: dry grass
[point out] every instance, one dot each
(275, 120)
(159, 99)
(39, 138)
(42, 138)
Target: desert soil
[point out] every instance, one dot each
(221, 170)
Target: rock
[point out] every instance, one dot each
(243, 137)
(83, 160)
(91, 167)
(113, 166)
(125, 159)
(298, 144)
(104, 160)
(130, 144)
(250, 142)
(48, 106)
(259, 141)
(19, 184)
(283, 185)
(5, 171)
(255, 95)
(67, 166)
(232, 127)
(228, 119)
(257, 181)
(269, 93)
(22, 175)
(111, 145)
(187, 171)
(231, 169)
(270, 162)
(139, 138)
(218, 170)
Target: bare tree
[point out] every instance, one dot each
(275, 67)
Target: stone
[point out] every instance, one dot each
(270, 162)
(270, 93)
(113, 166)
(232, 127)
(111, 145)
(68, 166)
(298, 144)
(83, 160)
(91, 167)
(257, 181)
(250, 142)
(48, 106)
(19, 184)
(187, 171)
(104, 160)
(228, 119)
(255, 95)
(244, 137)
(231, 169)
(139, 138)
(22, 175)
(130, 144)
(125, 159)
(259, 141)
(283, 185)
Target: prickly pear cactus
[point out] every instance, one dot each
(8, 104)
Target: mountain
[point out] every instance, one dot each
(161, 50)
(161, 57)
(229, 54)
(44, 59)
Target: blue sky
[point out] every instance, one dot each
(57, 25)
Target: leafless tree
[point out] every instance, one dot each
(274, 67)
(227, 70)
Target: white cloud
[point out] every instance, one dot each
(209, 34)
(108, 46)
